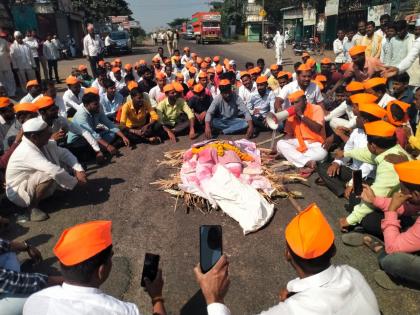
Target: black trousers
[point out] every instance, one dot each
(53, 64)
(93, 61)
(336, 184)
(372, 223)
(37, 69)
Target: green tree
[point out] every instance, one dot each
(177, 22)
(272, 7)
(100, 10)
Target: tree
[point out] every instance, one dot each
(272, 7)
(176, 23)
(100, 10)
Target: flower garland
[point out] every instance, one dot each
(221, 147)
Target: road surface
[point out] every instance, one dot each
(144, 221)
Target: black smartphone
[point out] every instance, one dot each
(357, 182)
(150, 268)
(210, 246)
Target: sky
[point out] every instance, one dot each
(156, 13)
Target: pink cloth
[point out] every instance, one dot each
(395, 241)
(401, 137)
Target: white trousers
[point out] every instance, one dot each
(279, 55)
(24, 76)
(288, 149)
(341, 122)
(170, 48)
(8, 80)
(175, 44)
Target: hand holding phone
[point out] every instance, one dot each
(150, 268)
(210, 246)
(357, 182)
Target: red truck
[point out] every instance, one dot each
(206, 27)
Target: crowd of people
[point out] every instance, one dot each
(357, 114)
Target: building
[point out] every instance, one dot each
(254, 22)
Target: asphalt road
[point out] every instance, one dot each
(144, 221)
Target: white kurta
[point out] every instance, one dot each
(30, 166)
(73, 101)
(335, 120)
(23, 61)
(6, 74)
(288, 148)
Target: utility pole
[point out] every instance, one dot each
(262, 22)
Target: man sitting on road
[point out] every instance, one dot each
(305, 134)
(377, 87)
(175, 114)
(34, 90)
(35, 169)
(247, 88)
(200, 103)
(73, 96)
(223, 113)
(321, 287)
(111, 100)
(92, 119)
(261, 103)
(85, 254)
(303, 83)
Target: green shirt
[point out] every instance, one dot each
(386, 180)
(168, 114)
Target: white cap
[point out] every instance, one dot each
(17, 33)
(34, 124)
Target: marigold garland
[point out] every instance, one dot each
(221, 147)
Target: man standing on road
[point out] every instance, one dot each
(52, 54)
(280, 44)
(321, 287)
(32, 42)
(23, 61)
(169, 37)
(92, 48)
(372, 41)
(6, 74)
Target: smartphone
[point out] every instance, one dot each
(150, 267)
(210, 246)
(357, 182)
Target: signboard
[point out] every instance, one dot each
(212, 17)
(262, 13)
(119, 19)
(292, 14)
(134, 24)
(331, 7)
(374, 13)
(309, 17)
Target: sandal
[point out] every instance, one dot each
(384, 281)
(320, 182)
(374, 244)
(353, 239)
(306, 172)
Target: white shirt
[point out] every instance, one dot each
(76, 300)
(73, 101)
(61, 107)
(385, 100)
(338, 290)
(50, 50)
(245, 94)
(339, 50)
(279, 40)
(185, 59)
(92, 46)
(99, 87)
(28, 159)
(28, 98)
(21, 55)
(119, 85)
(411, 56)
(263, 103)
(32, 42)
(156, 95)
(312, 92)
(357, 140)
(339, 111)
(108, 41)
(4, 55)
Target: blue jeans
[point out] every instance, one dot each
(401, 266)
(229, 125)
(11, 304)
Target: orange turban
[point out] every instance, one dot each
(192, 70)
(178, 87)
(198, 88)
(282, 74)
(274, 67)
(354, 86)
(243, 73)
(202, 75)
(115, 69)
(326, 61)
(207, 59)
(142, 62)
(219, 69)
(363, 98)
(31, 83)
(44, 101)
(4, 102)
(372, 109)
(128, 67)
(408, 172)
(211, 70)
(355, 50)
(380, 128)
(168, 88)
(25, 107)
(216, 58)
(308, 234)
(321, 78)
(296, 95)
(83, 241)
(311, 62)
(371, 83)
(404, 106)
(320, 85)
(304, 67)
(101, 63)
(160, 76)
(132, 85)
(82, 68)
(117, 60)
(305, 54)
(179, 75)
(190, 82)
(261, 79)
(71, 80)
(92, 90)
(224, 82)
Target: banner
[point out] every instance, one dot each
(309, 17)
(331, 7)
(374, 13)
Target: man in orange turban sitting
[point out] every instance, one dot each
(305, 134)
(85, 255)
(321, 287)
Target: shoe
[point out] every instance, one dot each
(37, 215)
(384, 281)
(352, 239)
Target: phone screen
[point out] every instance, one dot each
(150, 267)
(210, 246)
(357, 182)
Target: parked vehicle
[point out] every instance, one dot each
(299, 48)
(268, 41)
(122, 43)
(206, 27)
